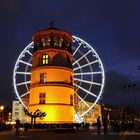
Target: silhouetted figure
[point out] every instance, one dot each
(17, 126)
(99, 125)
(26, 126)
(105, 124)
(123, 127)
(118, 126)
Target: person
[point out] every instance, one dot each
(26, 126)
(98, 125)
(17, 126)
(105, 124)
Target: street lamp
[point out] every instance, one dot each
(132, 87)
(1, 107)
(1, 113)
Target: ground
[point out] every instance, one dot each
(39, 134)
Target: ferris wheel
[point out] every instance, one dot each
(88, 70)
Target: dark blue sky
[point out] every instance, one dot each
(112, 27)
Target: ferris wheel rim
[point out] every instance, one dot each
(14, 73)
(103, 76)
(76, 38)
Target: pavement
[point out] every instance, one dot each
(43, 134)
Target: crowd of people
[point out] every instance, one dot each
(119, 126)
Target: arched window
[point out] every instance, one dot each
(43, 42)
(48, 41)
(55, 41)
(60, 42)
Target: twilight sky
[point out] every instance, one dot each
(112, 27)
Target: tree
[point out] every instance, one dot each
(34, 115)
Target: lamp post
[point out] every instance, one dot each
(1, 116)
(131, 110)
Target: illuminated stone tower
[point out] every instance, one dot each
(51, 88)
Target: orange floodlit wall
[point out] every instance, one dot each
(51, 88)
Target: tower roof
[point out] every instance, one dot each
(48, 31)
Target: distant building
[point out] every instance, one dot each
(18, 112)
(92, 115)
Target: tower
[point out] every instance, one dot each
(51, 88)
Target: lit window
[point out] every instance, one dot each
(48, 42)
(16, 104)
(55, 41)
(45, 59)
(42, 98)
(60, 42)
(43, 42)
(16, 113)
(42, 78)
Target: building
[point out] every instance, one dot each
(92, 115)
(51, 88)
(18, 112)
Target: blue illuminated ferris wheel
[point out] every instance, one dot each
(88, 70)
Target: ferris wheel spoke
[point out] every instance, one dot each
(81, 57)
(23, 83)
(82, 51)
(26, 63)
(86, 65)
(77, 48)
(24, 73)
(89, 82)
(24, 94)
(32, 45)
(82, 100)
(88, 73)
(29, 52)
(85, 90)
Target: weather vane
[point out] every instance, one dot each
(51, 23)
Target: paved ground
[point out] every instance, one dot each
(80, 135)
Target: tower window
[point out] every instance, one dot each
(45, 59)
(60, 42)
(55, 41)
(42, 98)
(48, 41)
(42, 78)
(71, 100)
(43, 42)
